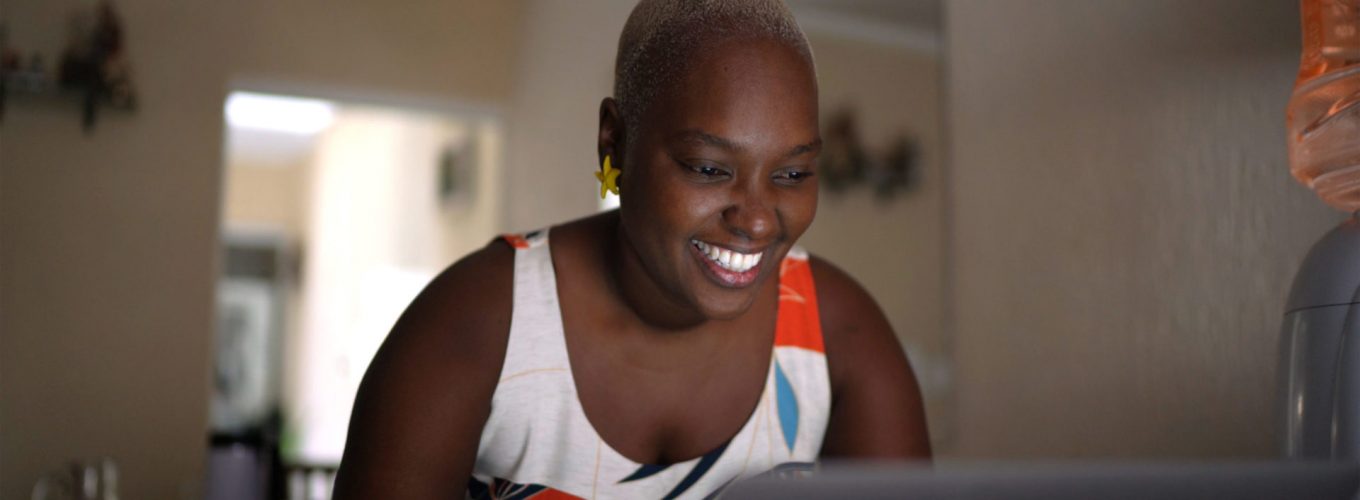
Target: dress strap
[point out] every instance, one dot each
(802, 384)
(526, 240)
(536, 338)
(800, 323)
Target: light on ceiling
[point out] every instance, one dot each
(291, 115)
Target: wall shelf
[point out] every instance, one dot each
(28, 86)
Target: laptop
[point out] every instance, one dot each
(1292, 480)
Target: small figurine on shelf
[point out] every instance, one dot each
(844, 159)
(847, 163)
(95, 62)
(899, 172)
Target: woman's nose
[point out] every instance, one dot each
(752, 215)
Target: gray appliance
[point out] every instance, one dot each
(1319, 375)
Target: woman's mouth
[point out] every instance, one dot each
(730, 267)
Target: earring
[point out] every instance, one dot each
(609, 178)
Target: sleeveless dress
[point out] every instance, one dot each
(537, 442)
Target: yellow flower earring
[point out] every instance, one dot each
(609, 178)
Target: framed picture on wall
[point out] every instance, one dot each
(241, 373)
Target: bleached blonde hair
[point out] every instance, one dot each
(661, 35)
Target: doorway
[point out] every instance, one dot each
(336, 213)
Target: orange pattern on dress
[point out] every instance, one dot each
(516, 241)
(551, 494)
(799, 324)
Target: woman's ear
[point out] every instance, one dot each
(611, 140)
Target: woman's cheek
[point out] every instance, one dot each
(800, 209)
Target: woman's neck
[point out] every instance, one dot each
(640, 291)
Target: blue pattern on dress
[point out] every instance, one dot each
(788, 406)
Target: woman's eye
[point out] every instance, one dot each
(794, 176)
(708, 171)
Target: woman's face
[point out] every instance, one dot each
(719, 183)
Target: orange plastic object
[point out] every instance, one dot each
(1324, 112)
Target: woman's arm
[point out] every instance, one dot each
(420, 409)
(876, 409)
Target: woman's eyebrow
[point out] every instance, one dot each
(811, 147)
(699, 136)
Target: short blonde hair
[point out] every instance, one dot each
(660, 35)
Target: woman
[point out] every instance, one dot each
(668, 347)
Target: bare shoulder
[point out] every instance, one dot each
(844, 305)
(877, 411)
(853, 326)
(419, 412)
(460, 322)
(466, 308)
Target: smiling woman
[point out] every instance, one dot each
(669, 347)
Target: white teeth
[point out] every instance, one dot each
(727, 259)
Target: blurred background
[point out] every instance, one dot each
(1076, 214)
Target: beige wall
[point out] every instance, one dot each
(566, 69)
(1124, 228)
(267, 192)
(110, 239)
(893, 247)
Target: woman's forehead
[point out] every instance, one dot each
(662, 37)
(739, 88)
(762, 61)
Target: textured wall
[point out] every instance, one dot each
(108, 264)
(1124, 230)
(891, 246)
(566, 67)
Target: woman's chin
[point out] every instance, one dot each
(728, 307)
